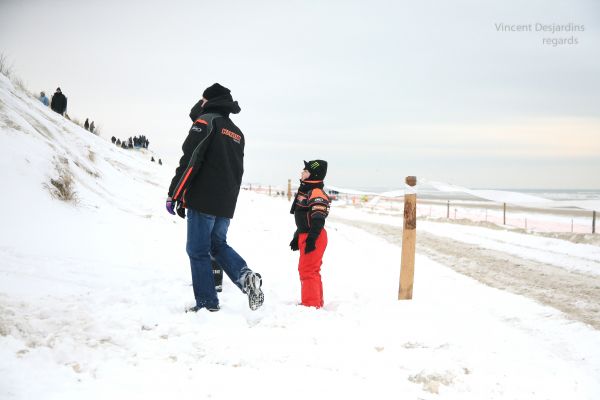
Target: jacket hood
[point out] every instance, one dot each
(222, 105)
(196, 110)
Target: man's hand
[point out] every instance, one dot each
(180, 209)
(170, 206)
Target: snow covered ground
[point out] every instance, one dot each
(92, 295)
(561, 253)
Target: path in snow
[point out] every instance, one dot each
(577, 294)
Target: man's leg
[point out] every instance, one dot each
(217, 275)
(198, 246)
(309, 268)
(234, 265)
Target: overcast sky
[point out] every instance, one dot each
(380, 89)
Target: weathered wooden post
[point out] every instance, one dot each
(289, 193)
(409, 233)
(269, 190)
(594, 221)
(448, 211)
(504, 218)
(571, 225)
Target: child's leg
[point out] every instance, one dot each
(309, 268)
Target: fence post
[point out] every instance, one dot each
(289, 193)
(269, 190)
(504, 217)
(409, 233)
(594, 221)
(448, 211)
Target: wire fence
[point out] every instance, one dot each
(563, 220)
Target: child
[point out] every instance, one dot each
(310, 208)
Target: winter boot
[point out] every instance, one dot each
(217, 275)
(252, 284)
(209, 308)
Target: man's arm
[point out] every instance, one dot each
(198, 135)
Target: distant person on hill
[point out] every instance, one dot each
(113, 139)
(159, 161)
(152, 159)
(44, 99)
(92, 127)
(208, 181)
(310, 208)
(59, 102)
(86, 124)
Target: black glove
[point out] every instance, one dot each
(180, 209)
(294, 243)
(310, 244)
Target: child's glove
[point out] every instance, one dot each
(310, 244)
(170, 206)
(294, 243)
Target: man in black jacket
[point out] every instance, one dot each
(207, 183)
(59, 102)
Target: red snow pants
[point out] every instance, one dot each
(310, 270)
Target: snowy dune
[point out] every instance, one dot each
(92, 297)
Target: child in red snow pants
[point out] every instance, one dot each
(309, 268)
(310, 209)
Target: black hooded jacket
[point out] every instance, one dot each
(59, 103)
(209, 174)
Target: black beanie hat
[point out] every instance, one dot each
(215, 90)
(317, 169)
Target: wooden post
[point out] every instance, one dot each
(504, 218)
(269, 190)
(409, 233)
(448, 211)
(593, 221)
(571, 225)
(289, 194)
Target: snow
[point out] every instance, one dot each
(560, 253)
(92, 295)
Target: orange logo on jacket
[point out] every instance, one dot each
(237, 138)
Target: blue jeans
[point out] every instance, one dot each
(206, 239)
